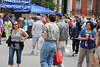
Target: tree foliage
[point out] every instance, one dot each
(46, 3)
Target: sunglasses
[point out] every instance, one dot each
(15, 24)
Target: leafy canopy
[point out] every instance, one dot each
(46, 3)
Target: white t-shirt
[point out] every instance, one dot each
(37, 29)
(29, 22)
(43, 19)
(74, 24)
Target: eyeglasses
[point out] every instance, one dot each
(15, 24)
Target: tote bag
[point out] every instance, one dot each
(94, 60)
(57, 59)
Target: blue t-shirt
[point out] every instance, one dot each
(90, 42)
(77, 19)
(5, 18)
(25, 24)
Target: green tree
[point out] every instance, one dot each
(46, 3)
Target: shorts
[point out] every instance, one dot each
(35, 40)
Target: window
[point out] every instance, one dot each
(77, 7)
(89, 9)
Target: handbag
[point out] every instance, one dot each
(57, 58)
(94, 60)
(9, 40)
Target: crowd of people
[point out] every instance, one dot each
(53, 31)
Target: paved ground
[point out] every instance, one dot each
(29, 60)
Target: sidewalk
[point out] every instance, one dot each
(29, 60)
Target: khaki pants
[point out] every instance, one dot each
(82, 53)
(61, 50)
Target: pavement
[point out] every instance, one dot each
(29, 60)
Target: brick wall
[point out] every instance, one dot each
(94, 7)
(73, 6)
(57, 2)
(84, 5)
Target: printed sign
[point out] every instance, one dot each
(15, 4)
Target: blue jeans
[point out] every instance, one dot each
(2, 29)
(1, 33)
(11, 55)
(47, 52)
(30, 31)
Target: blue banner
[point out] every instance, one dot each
(15, 4)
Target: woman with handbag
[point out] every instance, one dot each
(87, 37)
(17, 43)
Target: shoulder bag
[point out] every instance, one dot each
(9, 40)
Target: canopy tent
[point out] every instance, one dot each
(35, 9)
(40, 10)
(21, 11)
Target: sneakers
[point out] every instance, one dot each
(73, 53)
(32, 52)
(37, 53)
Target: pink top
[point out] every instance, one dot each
(70, 23)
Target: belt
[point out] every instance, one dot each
(51, 40)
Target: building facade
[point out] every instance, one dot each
(98, 8)
(84, 7)
(74, 7)
(79, 7)
(67, 6)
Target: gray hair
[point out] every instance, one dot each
(38, 17)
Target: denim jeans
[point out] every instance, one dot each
(11, 55)
(47, 52)
(30, 31)
(1, 33)
(2, 30)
